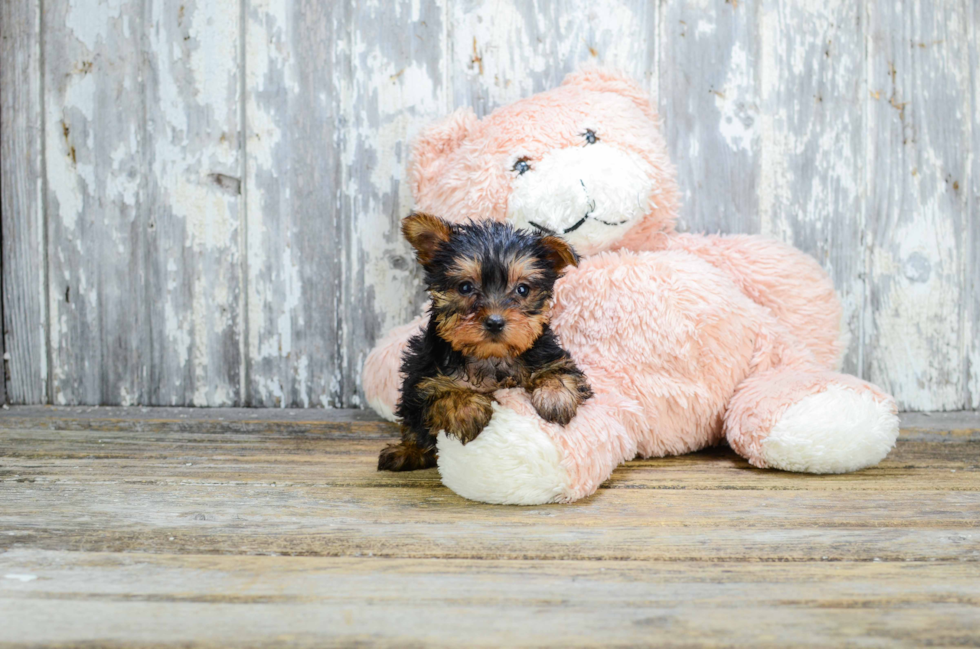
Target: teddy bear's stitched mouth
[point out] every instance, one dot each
(582, 220)
(575, 227)
(578, 224)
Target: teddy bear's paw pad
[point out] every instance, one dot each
(512, 462)
(835, 431)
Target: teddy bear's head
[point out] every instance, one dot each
(585, 161)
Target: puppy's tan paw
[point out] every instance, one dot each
(462, 415)
(556, 398)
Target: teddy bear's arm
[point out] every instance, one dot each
(381, 378)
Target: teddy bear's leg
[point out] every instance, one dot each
(810, 420)
(519, 459)
(381, 378)
(785, 280)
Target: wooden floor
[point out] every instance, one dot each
(271, 528)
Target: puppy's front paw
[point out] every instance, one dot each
(557, 397)
(462, 415)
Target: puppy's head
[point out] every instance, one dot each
(491, 284)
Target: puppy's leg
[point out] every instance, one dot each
(407, 455)
(454, 407)
(557, 390)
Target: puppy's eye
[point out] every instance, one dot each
(523, 290)
(590, 136)
(465, 288)
(522, 166)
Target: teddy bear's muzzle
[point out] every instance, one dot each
(587, 195)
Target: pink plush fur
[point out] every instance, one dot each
(685, 339)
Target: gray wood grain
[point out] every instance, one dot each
(916, 426)
(920, 118)
(135, 527)
(502, 51)
(296, 71)
(3, 378)
(227, 487)
(811, 182)
(972, 277)
(95, 201)
(710, 101)
(25, 364)
(209, 216)
(398, 85)
(158, 600)
(193, 211)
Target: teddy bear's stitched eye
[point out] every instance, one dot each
(465, 288)
(590, 136)
(522, 166)
(523, 290)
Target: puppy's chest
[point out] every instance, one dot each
(487, 375)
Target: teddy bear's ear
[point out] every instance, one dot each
(426, 233)
(435, 142)
(606, 80)
(559, 253)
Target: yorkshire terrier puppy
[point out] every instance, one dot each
(491, 287)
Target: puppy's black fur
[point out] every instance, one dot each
(491, 287)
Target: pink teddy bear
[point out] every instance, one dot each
(685, 339)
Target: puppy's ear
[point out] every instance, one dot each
(559, 253)
(426, 233)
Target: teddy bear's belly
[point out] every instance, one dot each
(666, 331)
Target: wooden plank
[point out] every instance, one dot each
(193, 209)
(3, 378)
(920, 116)
(148, 523)
(308, 493)
(736, 118)
(972, 277)
(811, 184)
(710, 100)
(915, 426)
(308, 601)
(25, 363)
(504, 51)
(96, 191)
(941, 425)
(314, 316)
(408, 523)
(85, 417)
(398, 86)
(296, 74)
(344, 455)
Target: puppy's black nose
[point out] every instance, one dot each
(494, 323)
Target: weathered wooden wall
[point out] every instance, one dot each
(200, 198)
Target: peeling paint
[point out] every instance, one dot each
(847, 133)
(738, 103)
(87, 21)
(920, 301)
